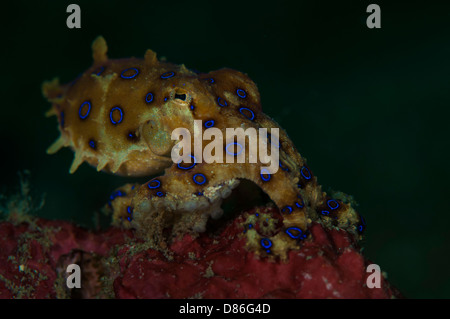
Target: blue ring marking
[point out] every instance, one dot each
(303, 174)
(247, 109)
(149, 97)
(302, 203)
(221, 102)
(210, 80)
(92, 144)
(99, 70)
(234, 143)
(111, 115)
(287, 207)
(88, 111)
(300, 232)
(266, 243)
(167, 75)
(325, 213)
(157, 186)
(241, 93)
(360, 228)
(193, 164)
(194, 178)
(333, 201)
(262, 175)
(209, 123)
(136, 72)
(160, 194)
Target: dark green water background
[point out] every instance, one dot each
(368, 108)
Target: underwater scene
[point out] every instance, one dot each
(225, 150)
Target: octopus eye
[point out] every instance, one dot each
(181, 97)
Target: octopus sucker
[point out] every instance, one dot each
(120, 116)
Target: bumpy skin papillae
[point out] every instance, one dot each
(119, 115)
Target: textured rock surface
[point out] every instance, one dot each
(34, 257)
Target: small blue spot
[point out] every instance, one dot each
(252, 117)
(284, 168)
(165, 99)
(132, 76)
(250, 226)
(241, 93)
(199, 193)
(92, 144)
(192, 107)
(265, 172)
(154, 184)
(116, 108)
(149, 97)
(209, 123)
(287, 209)
(325, 213)
(129, 210)
(83, 106)
(221, 102)
(129, 219)
(234, 154)
(99, 70)
(61, 116)
(363, 221)
(167, 75)
(256, 214)
(300, 203)
(117, 193)
(202, 179)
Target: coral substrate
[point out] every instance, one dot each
(215, 264)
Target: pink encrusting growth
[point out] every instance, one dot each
(212, 265)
